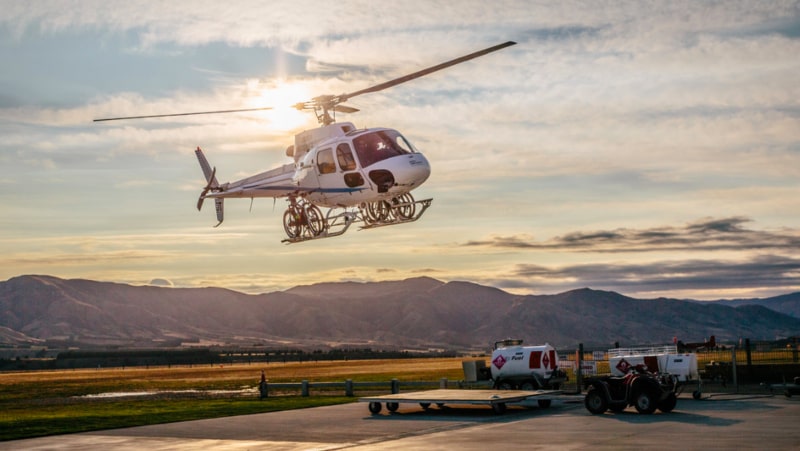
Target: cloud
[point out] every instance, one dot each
(161, 283)
(614, 117)
(767, 271)
(702, 235)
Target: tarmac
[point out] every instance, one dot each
(718, 421)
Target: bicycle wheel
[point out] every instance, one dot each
(290, 223)
(314, 220)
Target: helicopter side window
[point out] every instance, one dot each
(345, 157)
(325, 163)
(380, 145)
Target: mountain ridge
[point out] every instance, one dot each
(414, 313)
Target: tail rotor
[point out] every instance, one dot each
(212, 185)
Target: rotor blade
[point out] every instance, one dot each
(427, 71)
(345, 109)
(181, 114)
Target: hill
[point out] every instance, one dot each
(787, 303)
(413, 313)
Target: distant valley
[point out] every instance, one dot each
(419, 313)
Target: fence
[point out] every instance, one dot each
(348, 386)
(732, 366)
(750, 364)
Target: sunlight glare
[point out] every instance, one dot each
(281, 95)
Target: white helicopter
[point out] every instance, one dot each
(360, 175)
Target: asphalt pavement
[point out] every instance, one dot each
(719, 421)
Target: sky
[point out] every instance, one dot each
(649, 148)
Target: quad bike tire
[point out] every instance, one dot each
(595, 401)
(668, 403)
(645, 402)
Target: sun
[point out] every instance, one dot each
(280, 95)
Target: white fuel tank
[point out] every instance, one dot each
(657, 360)
(516, 360)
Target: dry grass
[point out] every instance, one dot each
(36, 403)
(63, 386)
(377, 370)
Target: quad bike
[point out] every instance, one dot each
(639, 388)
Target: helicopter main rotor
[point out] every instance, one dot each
(324, 104)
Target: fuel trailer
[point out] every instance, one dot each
(517, 367)
(517, 373)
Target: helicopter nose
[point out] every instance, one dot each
(413, 171)
(404, 172)
(419, 169)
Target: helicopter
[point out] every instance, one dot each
(360, 176)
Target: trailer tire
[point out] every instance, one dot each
(667, 404)
(544, 403)
(425, 405)
(392, 406)
(499, 407)
(697, 395)
(645, 402)
(595, 401)
(375, 407)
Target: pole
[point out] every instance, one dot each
(579, 373)
(733, 366)
(262, 386)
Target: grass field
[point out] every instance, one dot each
(38, 403)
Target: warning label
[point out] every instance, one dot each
(499, 361)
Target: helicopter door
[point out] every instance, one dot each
(338, 184)
(348, 166)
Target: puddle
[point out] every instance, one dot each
(122, 394)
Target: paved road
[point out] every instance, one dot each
(718, 422)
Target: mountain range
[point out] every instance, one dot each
(418, 313)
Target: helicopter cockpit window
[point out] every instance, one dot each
(380, 145)
(325, 162)
(345, 157)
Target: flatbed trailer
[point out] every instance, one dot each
(497, 399)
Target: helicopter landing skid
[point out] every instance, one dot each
(400, 213)
(337, 223)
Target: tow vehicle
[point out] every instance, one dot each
(639, 388)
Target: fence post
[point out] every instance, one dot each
(749, 360)
(579, 372)
(443, 383)
(305, 388)
(262, 386)
(395, 386)
(348, 387)
(733, 367)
